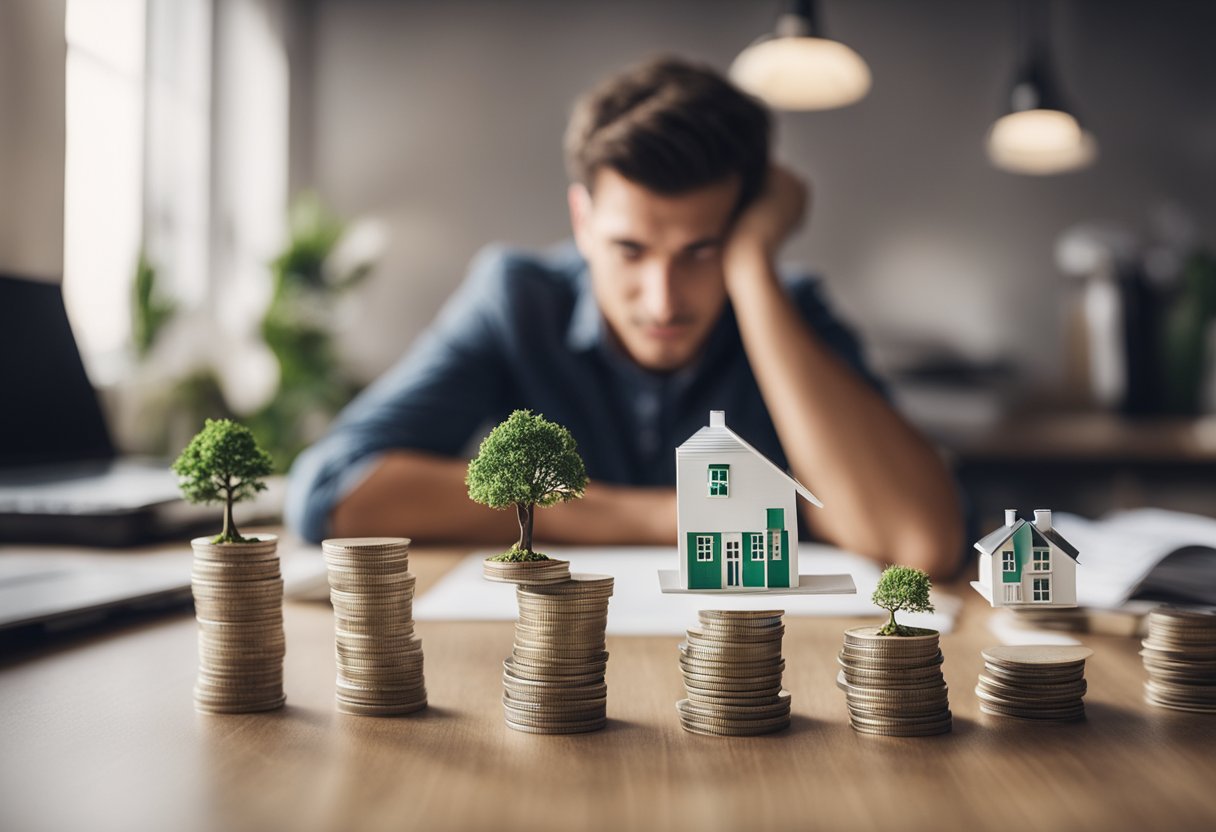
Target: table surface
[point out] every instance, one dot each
(99, 732)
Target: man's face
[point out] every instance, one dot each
(656, 263)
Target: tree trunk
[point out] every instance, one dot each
(230, 534)
(891, 625)
(524, 513)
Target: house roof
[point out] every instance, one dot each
(992, 541)
(716, 439)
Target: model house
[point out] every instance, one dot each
(1027, 564)
(738, 513)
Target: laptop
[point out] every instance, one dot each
(62, 482)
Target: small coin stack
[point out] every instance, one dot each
(553, 682)
(1180, 657)
(893, 684)
(238, 600)
(1038, 682)
(527, 572)
(379, 658)
(732, 673)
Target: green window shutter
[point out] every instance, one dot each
(719, 480)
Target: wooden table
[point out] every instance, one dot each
(99, 733)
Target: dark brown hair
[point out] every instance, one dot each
(670, 126)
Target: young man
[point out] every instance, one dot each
(670, 306)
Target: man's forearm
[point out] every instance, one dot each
(887, 493)
(424, 497)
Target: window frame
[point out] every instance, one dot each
(709, 551)
(1009, 561)
(721, 483)
(758, 552)
(1040, 590)
(1041, 560)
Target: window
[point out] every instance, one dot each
(705, 548)
(758, 546)
(775, 543)
(734, 561)
(1042, 560)
(1008, 563)
(1013, 593)
(1042, 589)
(719, 480)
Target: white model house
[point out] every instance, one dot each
(738, 518)
(1025, 564)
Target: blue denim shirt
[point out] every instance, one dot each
(524, 331)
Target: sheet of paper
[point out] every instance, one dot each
(639, 608)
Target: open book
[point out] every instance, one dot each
(1144, 554)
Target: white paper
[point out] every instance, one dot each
(639, 608)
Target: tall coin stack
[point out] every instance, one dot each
(894, 684)
(379, 658)
(553, 682)
(1044, 683)
(238, 601)
(732, 668)
(1180, 657)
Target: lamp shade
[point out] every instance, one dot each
(1040, 142)
(802, 73)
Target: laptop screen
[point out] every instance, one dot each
(49, 411)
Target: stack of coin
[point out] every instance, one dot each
(732, 673)
(379, 658)
(553, 682)
(238, 599)
(1180, 657)
(893, 684)
(1034, 682)
(527, 572)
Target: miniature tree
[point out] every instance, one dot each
(223, 463)
(902, 588)
(525, 462)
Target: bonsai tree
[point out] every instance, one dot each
(902, 588)
(223, 463)
(525, 462)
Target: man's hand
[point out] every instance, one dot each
(775, 214)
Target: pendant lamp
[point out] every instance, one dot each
(798, 68)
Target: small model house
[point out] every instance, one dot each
(1025, 564)
(738, 518)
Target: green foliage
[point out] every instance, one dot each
(312, 385)
(902, 588)
(515, 555)
(223, 463)
(526, 461)
(151, 312)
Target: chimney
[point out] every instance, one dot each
(1011, 516)
(717, 418)
(1042, 519)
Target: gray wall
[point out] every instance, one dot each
(445, 119)
(33, 71)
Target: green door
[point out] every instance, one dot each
(754, 558)
(778, 546)
(704, 560)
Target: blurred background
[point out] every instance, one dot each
(254, 206)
